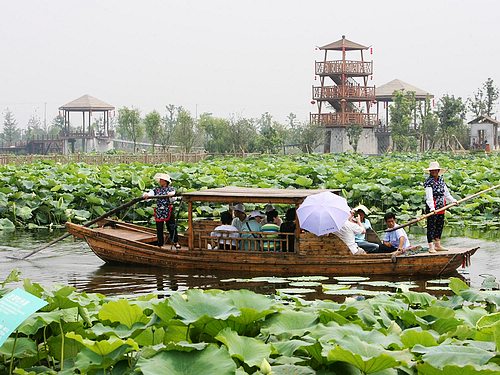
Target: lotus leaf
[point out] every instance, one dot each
(368, 358)
(428, 369)
(246, 349)
(6, 224)
(211, 360)
(123, 312)
(22, 347)
(103, 347)
(200, 305)
(290, 323)
(442, 355)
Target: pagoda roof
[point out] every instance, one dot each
(386, 92)
(87, 103)
(345, 44)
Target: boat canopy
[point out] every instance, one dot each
(231, 194)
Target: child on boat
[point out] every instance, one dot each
(164, 212)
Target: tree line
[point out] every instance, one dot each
(413, 125)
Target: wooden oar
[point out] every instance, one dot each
(89, 223)
(411, 222)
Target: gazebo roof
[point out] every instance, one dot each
(386, 92)
(343, 44)
(87, 103)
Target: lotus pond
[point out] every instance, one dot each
(46, 194)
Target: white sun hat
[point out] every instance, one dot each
(363, 208)
(433, 165)
(162, 176)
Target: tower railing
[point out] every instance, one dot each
(361, 68)
(344, 92)
(344, 119)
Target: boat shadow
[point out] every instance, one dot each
(132, 280)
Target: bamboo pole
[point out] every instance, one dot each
(414, 221)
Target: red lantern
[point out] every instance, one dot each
(371, 50)
(313, 102)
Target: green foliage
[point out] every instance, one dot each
(401, 118)
(129, 124)
(353, 134)
(200, 332)
(185, 132)
(54, 193)
(451, 113)
(484, 100)
(11, 133)
(152, 125)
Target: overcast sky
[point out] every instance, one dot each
(241, 57)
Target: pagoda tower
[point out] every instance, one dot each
(344, 98)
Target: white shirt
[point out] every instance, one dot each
(347, 233)
(429, 198)
(225, 231)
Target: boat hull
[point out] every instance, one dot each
(129, 245)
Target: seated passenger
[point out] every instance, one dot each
(226, 232)
(360, 238)
(239, 216)
(397, 240)
(272, 228)
(289, 226)
(252, 224)
(350, 228)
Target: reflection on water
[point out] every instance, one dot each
(72, 262)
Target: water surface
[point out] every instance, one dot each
(71, 262)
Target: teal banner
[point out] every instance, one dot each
(15, 308)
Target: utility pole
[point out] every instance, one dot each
(45, 117)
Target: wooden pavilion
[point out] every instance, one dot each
(385, 94)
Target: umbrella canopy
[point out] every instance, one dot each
(323, 213)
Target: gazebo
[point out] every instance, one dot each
(385, 94)
(86, 105)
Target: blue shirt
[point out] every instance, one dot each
(362, 236)
(394, 236)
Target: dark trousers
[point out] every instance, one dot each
(435, 224)
(172, 231)
(383, 249)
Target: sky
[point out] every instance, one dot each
(232, 57)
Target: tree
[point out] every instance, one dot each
(307, 136)
(484, 100)
(451, 113)
(152, 125)
(218, 135)
(353, 134)
(491, 96)
(185, 131)
(167, 126)
(57, 125)
(11, 132)
(271, 134)
(401, 118)
(34, 127)
(429, 126)
(129, 124)
(244, 134)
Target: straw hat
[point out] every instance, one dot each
(362, 208)
(162, 176)
(433, 165)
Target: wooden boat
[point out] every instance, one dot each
(121, 242)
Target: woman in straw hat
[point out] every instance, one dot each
(362, 211)
(437, 196)
(164, 212)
